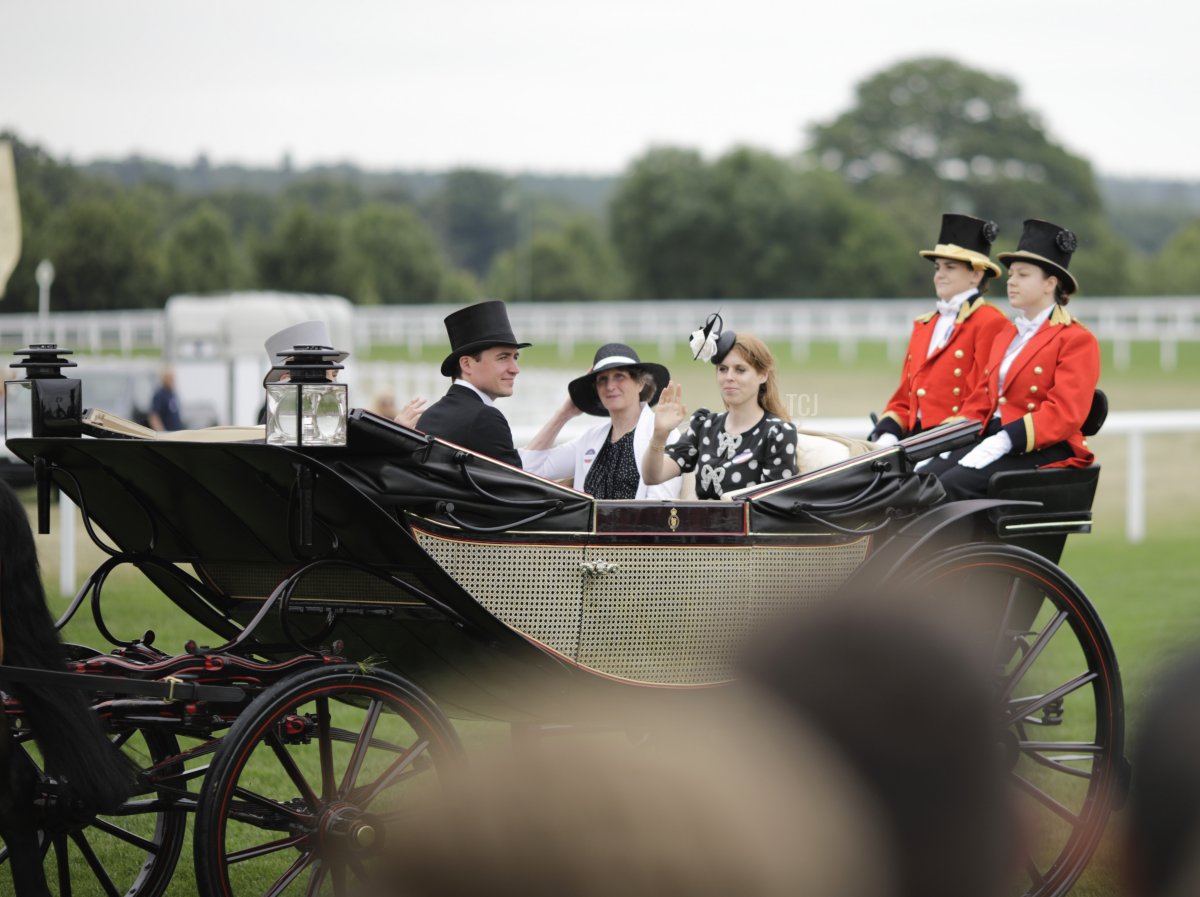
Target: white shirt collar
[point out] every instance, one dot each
(487, 400)
(1035, 323)
(952, 305)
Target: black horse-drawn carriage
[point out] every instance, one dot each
(370, 593)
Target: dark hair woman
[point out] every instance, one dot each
(606, 460)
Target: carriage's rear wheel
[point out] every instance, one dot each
(310, 779)
(1060, 691)
(131, 853)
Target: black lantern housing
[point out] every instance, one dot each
(305, 405)
(45, 403)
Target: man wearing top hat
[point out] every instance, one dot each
(483, 364)
(948, 346)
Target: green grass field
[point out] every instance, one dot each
(1144, 593)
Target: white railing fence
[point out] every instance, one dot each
(1165, 320)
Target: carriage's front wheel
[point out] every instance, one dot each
(309, 781)
(1060, 693)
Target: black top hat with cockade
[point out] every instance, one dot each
(475, 328)
(966, 239)
(609, 356)
(1048, 246)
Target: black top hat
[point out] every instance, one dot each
(475, 328)
(966, 239)
(1049, 247)
(609, 356)
(710, 342)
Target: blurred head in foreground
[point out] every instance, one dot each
(907, 703)
(1162, 825)
(733, 809)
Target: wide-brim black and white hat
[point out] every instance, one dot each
(1048, 246)
(306, 333)
(475, 328)
(609, 356)
(966, 239)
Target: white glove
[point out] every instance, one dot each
(987, 452)
(886, 439)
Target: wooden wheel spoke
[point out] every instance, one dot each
(122, 737)
(392, 773)
(293, 872)
(1019, 708)
(361, 744)
(325, 750)
(1031, 656)
(1035, 874)
(293, 771)
(267, 848)
(64, 868)
(316, 878)
(339, 880)
(93, 861)
(1046, 800)
(125, 835)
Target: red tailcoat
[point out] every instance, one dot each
(937, 385)
(1048, 390)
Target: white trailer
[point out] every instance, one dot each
(215, 344)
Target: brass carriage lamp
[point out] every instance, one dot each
(46, 402)
(305, 404)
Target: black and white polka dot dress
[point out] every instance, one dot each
(725, 462)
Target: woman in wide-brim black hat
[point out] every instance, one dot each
(606, 460)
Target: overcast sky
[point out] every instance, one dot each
(567, 85)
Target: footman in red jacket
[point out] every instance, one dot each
(1040, 376)
(948, 346)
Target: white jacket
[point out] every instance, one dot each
(575, 457)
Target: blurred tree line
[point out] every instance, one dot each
(843, 217)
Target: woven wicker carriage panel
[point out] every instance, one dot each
(679, 615)
(664, 614)
(535, 589)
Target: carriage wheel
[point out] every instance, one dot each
(1060, 691)
(305, 787)
(132, 852)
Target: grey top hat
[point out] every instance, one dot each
(610, 356)
(475, 328)
(306, 333)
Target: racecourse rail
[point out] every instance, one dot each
(1165, 320)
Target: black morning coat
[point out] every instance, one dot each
(461, 417)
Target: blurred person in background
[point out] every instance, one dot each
(949, 345)
(1161, 828)
(906, 700)
(164, 405)
(1039, 381)
(384, 404)
(606, 461)
(750, 806)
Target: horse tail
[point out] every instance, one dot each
(71, 738)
